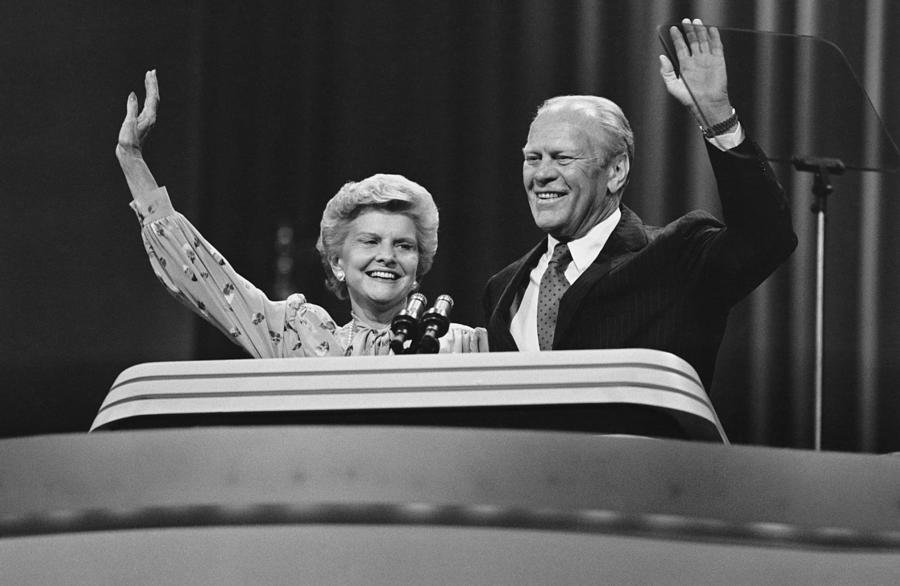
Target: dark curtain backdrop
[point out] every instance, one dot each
(267, 108)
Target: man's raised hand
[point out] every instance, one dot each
(701, 61)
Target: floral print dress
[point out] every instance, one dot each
(198, 276)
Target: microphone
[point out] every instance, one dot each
(436, 322)
(405, 325)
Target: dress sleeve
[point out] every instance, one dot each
(194, 272)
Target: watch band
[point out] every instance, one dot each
(722, 127)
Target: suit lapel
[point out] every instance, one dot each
(628, 237)
(500, 316)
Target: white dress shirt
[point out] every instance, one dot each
(584, 251)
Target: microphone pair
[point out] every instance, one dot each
(422, 329)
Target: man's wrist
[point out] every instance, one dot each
(724, 126)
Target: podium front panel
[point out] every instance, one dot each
(338, 505)
(627, 391)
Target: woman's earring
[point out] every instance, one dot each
(415, 286)
(339, 275)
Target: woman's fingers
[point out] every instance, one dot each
(459, 342)
(131, 107)
(151, 102)
(480, 340)
(137, 126)
(128, 133)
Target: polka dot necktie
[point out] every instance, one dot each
(553, 285)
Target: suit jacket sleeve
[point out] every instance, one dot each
(758, 234)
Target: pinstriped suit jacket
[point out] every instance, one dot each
(666, 288)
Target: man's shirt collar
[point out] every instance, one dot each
(586, 249)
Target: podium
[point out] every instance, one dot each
(434, 470)
(394, 505)
(625, 391)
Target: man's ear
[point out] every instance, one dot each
(617, 171)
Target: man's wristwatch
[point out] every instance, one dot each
(722, 127)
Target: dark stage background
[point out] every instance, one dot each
(267, 108)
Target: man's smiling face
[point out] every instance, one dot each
(565, 176)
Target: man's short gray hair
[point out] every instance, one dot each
(617, 136)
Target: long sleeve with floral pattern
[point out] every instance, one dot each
(196, 274)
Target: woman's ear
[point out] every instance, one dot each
(337, 268)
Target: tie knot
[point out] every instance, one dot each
(560, 254)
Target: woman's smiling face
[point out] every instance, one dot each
(379, 257)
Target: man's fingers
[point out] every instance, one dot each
(691, 35)
(666, 69)
(681, 49)
(702, 36)
(715, 42)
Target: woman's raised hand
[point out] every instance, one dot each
(136, 126)
(132, 135)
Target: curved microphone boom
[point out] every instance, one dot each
(435, 322)
(405, 325)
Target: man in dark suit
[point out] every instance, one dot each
(602, 278)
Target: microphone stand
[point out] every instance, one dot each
(405, 325)
(821, 189)
(435, 324)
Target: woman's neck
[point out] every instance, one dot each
(371, 317)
